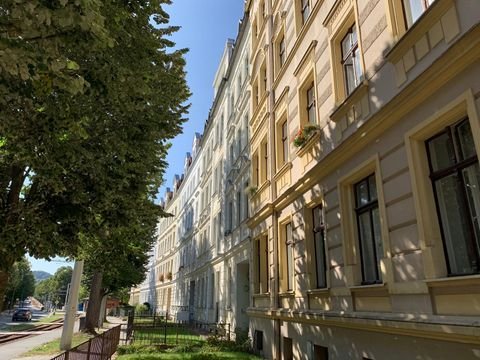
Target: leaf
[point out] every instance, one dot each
(72, 65)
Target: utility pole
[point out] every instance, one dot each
(71, 307)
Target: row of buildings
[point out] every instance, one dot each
(331, 208)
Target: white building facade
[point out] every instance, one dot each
(199, 270)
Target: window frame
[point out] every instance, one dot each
(305, 8)
(456, 168)
(322, 231)
(359, 211)
(430, 238)
(356, 61)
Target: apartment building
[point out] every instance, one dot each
(199, 269)
(365, 200)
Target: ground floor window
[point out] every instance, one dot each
(455, 176)
(369, 233)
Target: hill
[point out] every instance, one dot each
(41, 275)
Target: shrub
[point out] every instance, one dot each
(136, 349)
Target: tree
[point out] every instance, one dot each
(41, 207)
(55, 288)
(83, 137)
(21, 283)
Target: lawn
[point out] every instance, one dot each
(209, 349)
(190, 356)
(53, 347)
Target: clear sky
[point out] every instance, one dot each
(205, 27)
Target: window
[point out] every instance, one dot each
(261, 265)
(264, 163)
(287, 349)
(245, 202)
(351, 60)
(368, 227)
(256, 169)
(258, 340)
(290, 265)
(413, 9)
(305, 10)
(239, 207)
(455, 177)
(284, 140)
(282, 54)
(230, 216)
(320, 352)
(319, 246)
(311, 104)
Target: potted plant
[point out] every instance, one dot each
(304, 134)
(169, 275)
(161, 277)
(251, 190)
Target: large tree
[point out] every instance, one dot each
(84, 131)
(21, 282)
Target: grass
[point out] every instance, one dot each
(31, 325)
(210, 349)
(53, 347)
(174, 336)
(222, 355)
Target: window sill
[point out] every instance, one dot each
(283, 169)
(323, 291)
(418, 29)
(287, 294)
(262, 187)
(466, 280)
(359, 288)
(313, 139)
(351, 99)
(262, 295)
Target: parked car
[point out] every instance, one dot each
(22, 314)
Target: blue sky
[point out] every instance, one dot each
(205, 27)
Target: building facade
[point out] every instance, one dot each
(199, 269)
(332, 204)
(365, 138)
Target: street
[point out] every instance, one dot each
(13, 350)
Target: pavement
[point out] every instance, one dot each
(15, 349)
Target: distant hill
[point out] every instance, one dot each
(41, 275)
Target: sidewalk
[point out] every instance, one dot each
(15, 349)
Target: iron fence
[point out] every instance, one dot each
(160, 329)
(100, 347)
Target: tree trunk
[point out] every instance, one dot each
(3, 287)
(94, 303)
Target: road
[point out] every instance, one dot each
(15, 349)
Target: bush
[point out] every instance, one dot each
(136, 349)
(141, 309)
(187, 348)
(205, 356)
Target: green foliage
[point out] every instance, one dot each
(141, 309)
(137, 349)
(55, 287)
(88, 106)
(21, 282)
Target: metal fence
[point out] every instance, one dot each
(100, 347)
(159, 329)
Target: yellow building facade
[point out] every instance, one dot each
(365, 180)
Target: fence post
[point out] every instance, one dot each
(228, 333)
(89, 348)
(103, 342)
(176, 341)
(165, 331)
